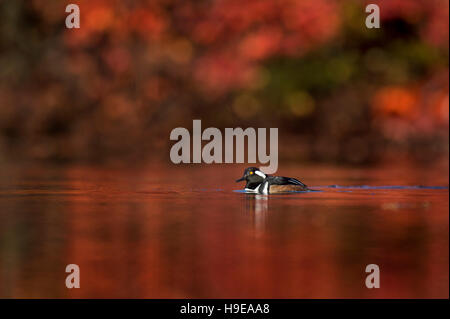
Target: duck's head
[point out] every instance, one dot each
(252, 175)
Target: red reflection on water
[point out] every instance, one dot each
(175, 232)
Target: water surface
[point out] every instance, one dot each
(183, 232)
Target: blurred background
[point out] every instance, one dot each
(115, 88)
(354, 106)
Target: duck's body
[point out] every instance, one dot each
(260, 183)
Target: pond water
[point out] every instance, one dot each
(184, 232)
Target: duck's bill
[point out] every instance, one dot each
(240, 179)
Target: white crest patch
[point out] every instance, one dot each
(259, 173)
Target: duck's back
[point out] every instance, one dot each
(281, 184)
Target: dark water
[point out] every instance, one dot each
(183, 232)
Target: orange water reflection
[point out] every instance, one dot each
(181, 232)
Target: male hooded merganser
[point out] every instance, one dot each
(258, 182)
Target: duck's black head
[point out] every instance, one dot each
(253, 176)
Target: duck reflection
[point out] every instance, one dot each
(257, 207)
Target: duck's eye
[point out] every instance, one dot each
(251, 173)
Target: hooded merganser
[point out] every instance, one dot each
(258, 182)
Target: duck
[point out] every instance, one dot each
(260, 183)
